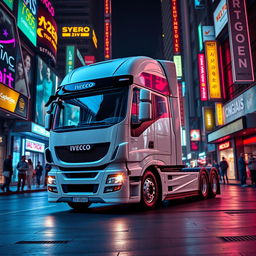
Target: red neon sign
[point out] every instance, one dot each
(175, 27)
(202, 77)
(224, 145)
(250, 141)
(107, 7)
(182, 112)
(107, 38)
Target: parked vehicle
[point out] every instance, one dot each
(115, 137)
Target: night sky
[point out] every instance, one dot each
(136, 28)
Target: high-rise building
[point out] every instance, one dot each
(80, 33)
(219, 55)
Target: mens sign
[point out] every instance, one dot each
(242, 67)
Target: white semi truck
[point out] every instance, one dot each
(115, 137)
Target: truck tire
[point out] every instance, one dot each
(79, 206)
(203, 185)
(149, 190)
(214, 184)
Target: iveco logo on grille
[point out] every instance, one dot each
(82, 147)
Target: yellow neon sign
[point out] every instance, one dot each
(8, 98)
(213, 70)
(75, 31)
(219, 114)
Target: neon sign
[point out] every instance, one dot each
(27, 19)
(107, 30)
(213, 70)
(47, 36)
(225, 145)
(202, 77)
(175, 27)
(82, 31)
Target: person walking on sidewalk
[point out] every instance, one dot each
(252, 168)
(39, 171)
(7, 172)
(30, 173)
(22, 167)
(224, 169)
(242, 170)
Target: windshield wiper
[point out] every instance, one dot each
(66, 126)
(99, 122)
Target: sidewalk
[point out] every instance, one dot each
(13, 189)
(237, 183)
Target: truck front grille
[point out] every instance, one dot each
(76, 188)
(96, 152)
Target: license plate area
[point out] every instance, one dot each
(80, 200)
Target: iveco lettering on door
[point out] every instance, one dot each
(85, 147)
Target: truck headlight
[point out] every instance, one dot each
(51, 180)
(115, 179)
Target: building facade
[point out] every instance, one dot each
(218, 49)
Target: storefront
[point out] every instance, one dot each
(238, 134)
(28, 139)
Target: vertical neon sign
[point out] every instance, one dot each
(175, 27)
(107, 30)
(202, 77)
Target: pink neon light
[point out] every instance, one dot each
(202, 77)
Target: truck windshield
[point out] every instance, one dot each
(101, 109)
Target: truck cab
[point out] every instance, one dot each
(115, 136)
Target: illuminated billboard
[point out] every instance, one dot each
(11, 61)
(175, 26)
(76, 31)
(208, 118)
(89, 60)
(202, 77)
(214, 86)
(220, 17)
(240, 46)
(46, 86)
(219, 116)
(70, 58)
(178, 64)
(47, 37)
(13, 101)
(195, 135)
(9, 3)
(27, 19)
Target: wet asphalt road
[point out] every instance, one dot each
(29, 225)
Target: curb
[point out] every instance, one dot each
(22, 192)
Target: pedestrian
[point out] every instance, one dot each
(39, 171)
(7, 172)
(22, 167)
(216, 165)
(48, 167)
(252, 168)
(224, 169)
(242, 170)
(30, 173)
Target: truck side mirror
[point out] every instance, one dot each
(145, 111)
(48, 121)
(145, 106)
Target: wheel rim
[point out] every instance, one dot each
(204, 185)
(149, 190)
(214, 184)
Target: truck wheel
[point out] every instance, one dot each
(149, 190)
(214, 184)
(203, 185)
(79, 206)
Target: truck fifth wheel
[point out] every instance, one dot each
(115, 137)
